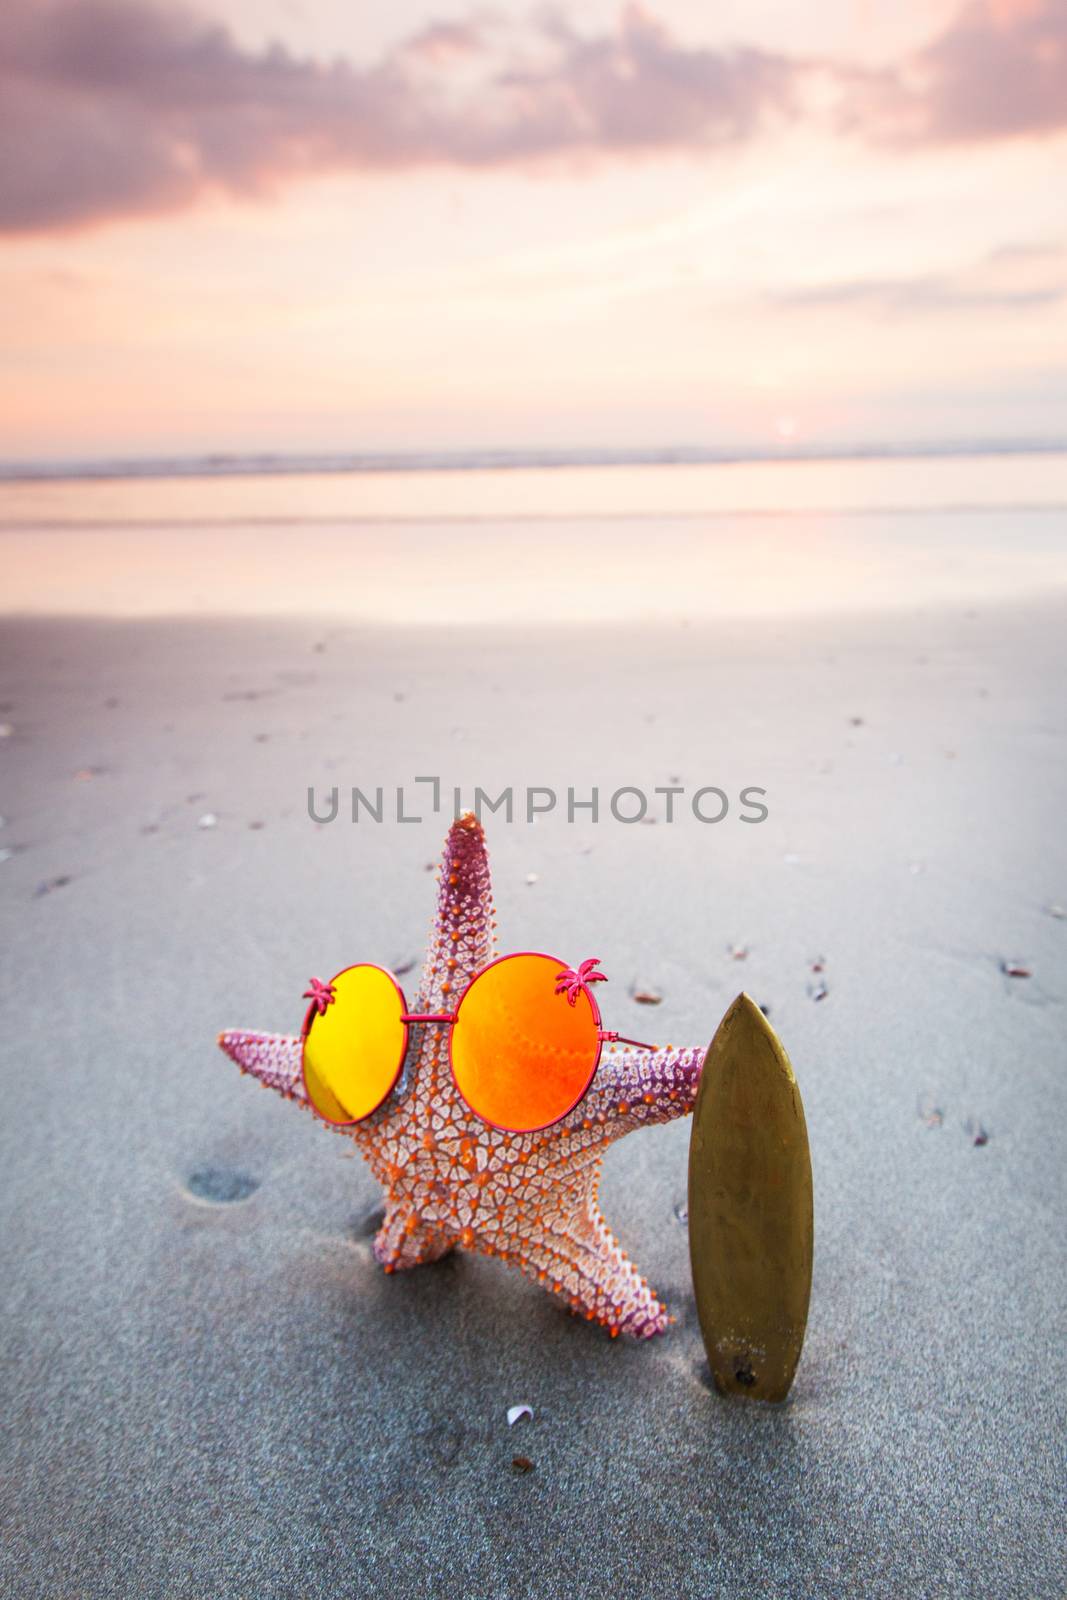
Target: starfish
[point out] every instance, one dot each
(453, 1182)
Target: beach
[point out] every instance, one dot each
(618, 452)
(211, 1387)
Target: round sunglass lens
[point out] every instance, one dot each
(523, 1055)
(354, 1045)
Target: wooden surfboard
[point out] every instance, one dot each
(750, 1208)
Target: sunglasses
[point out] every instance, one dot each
(524, 1041)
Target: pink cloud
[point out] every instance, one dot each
(113, 108)
(998, 71)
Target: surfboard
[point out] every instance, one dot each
(751, 1222)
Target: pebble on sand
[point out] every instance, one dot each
(49, 884)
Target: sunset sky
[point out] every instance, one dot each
(317, 224)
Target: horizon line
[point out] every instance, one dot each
(236, 464)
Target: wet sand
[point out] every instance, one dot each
(211, 1389)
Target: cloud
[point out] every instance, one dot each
(1019, 277)
(999, 70)
(112, 108)
(912, 295)
(116, 107)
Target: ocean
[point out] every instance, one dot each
(519, 539)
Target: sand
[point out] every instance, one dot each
(209, 1387)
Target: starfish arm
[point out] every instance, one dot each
(636, 1087)
(573, 1255)
(462, 934)
(273, 1058)
(405, 1240)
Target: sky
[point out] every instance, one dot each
(317, 225)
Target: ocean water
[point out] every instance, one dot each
(562, 543)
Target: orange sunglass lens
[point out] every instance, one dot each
(354, 1050)
(522, 1055)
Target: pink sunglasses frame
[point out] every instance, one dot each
(449, 1019)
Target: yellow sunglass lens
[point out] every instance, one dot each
(522, 1055)
(354, 1050)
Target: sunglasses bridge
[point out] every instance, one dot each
(448, 1018)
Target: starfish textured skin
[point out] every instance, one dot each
(452, 1181)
